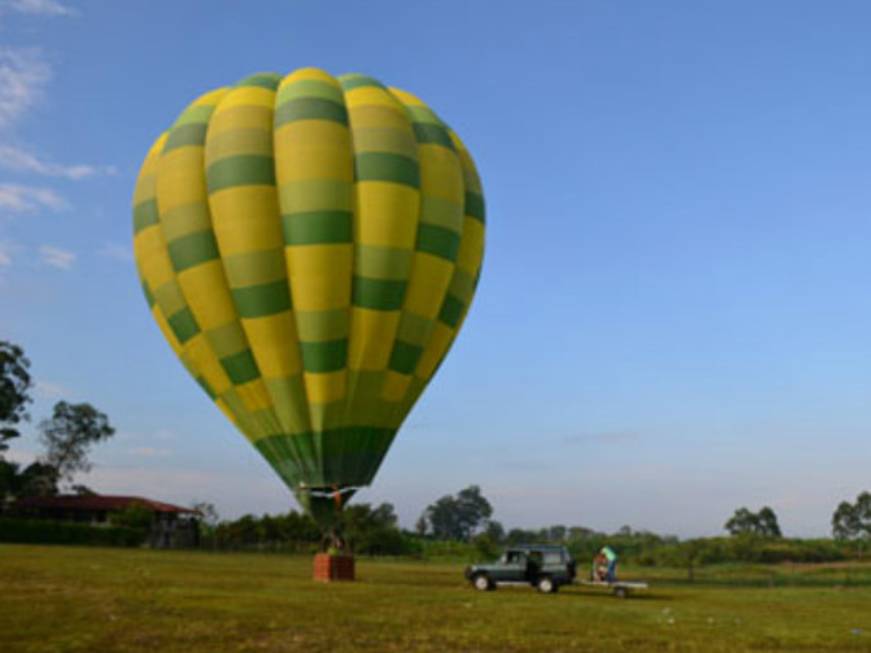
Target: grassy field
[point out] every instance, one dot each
(96, 600)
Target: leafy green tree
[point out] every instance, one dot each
(522, 536)
(495, 531)
(38, 479)
(845, 522)
(15, 384)
(742, 522)
(768, 526)
(486, 547)
(68, 435)
(208, 513)
(557, 534)
(135, 515)
(863, 512)
(458, 517)
(372, 530)
(762, 523)
(580, 533)
(852, 521)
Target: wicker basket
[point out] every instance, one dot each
(329, 568)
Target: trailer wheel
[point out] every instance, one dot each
(621, 592)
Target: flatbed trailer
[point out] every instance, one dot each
(619, 588)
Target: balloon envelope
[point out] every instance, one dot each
(309, 247)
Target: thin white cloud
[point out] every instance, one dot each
(606, 438)
(19, 160)
(18, 198)
(56, 257)
(24, 72)
(5, 255)
(49, 390)
(117, 252)
(150, 452)
(39, 7)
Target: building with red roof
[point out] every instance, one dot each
(171, 526)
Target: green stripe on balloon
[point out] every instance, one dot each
(309, 88)
(404, 357)
(183, 135)
(379, 294)
(240, 367)
(144, 215)
(356, 450)
(451, 311)
(206, 387)
(183, 325)
(193, 249)
(432, 133)
(317, 227)
(438, 241)
(264, 80)
(474, 205)
(326, 356)
(241, 170)
(353, 80)
(386, 166)
(263, 299)
(310, 108)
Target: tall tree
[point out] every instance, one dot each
(768, 526)
(762, 523)
(15, 384)
(557, 533)
(208, 513)
(458, 517)
(845, 522)
(68, 436)
(853, 520)
(495, 531)
(742, 522)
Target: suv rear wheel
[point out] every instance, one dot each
(546, 585)
(482, 583)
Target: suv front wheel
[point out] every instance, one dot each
(482, 583)
(546, 585)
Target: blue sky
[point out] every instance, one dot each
(673, 317)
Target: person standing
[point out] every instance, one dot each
(611, 557)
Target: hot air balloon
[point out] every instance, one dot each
(309, 246)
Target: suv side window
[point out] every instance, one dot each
(553, 558)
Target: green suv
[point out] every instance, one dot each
(540, 565)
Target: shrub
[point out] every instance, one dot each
(39, 531)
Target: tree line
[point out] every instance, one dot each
(464, 519)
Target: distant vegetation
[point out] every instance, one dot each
(374, 531)
(456, 526)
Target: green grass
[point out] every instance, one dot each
(96, 600)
